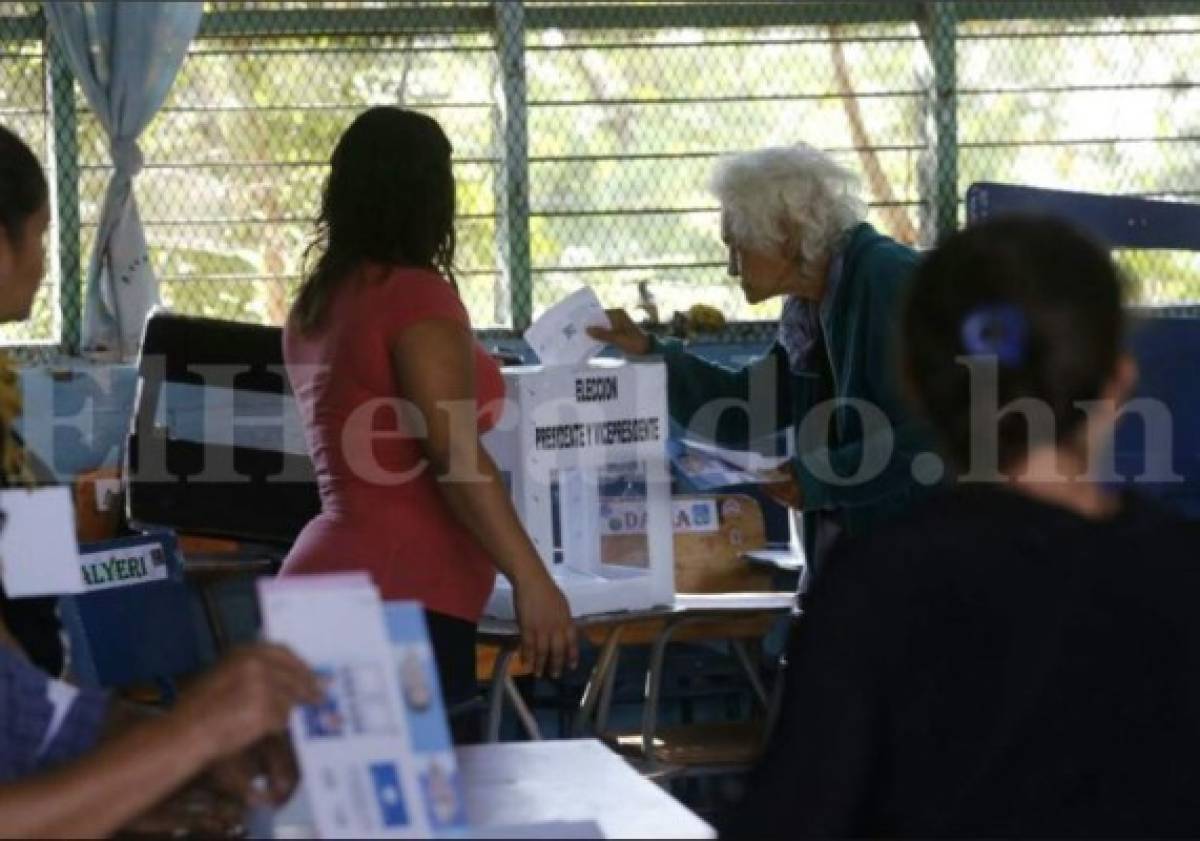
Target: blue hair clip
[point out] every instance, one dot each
(999, 330)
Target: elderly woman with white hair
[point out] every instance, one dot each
(792, 219)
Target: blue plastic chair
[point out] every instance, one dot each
(144, 633)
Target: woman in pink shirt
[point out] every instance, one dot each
(395, 391)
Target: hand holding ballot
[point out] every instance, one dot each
(787, 491)
(247, 697)
(709, 467)
(622, 333)
(265, 774)
(562, 335)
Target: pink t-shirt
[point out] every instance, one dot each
(381, 509)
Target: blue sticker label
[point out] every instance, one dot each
(388, 794)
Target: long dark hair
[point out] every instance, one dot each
(23, 190)
(1038, 295)
(389, 199)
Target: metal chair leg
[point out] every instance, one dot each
(776, 704)
(743, 657)
(497, 691)
(606, 694)
(212, 612)
(654, 688)
(522, 709)
(595, 684)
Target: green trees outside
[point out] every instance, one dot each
(624, 126)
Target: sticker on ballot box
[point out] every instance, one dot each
(688, 516)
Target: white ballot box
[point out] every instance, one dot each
(583, 448)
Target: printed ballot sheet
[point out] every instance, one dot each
(38, 552)
(708, 467)
(431, 745)
(560, 336)
(361, 773)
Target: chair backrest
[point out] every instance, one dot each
(1117, 221)
(141, 633)
(209, 451)
(1165, 349)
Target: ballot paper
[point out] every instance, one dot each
(560, 336)
(38, 552)
(375, 752)
(425, 713)
(707, 467)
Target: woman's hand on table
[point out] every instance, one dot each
(547, 631)
(624, 334)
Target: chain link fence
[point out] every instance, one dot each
(585, 132)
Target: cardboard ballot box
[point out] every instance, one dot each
(581, 448)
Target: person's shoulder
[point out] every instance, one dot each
(876, 266)
(408, 294)
(413, 283)
(868, 247)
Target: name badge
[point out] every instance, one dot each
(124, 563)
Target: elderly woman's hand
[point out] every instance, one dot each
(625, 334)
(787, 491)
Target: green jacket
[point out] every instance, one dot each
(860, 323)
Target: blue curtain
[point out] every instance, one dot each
(126, 56)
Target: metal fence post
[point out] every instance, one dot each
(64, 134)
(943, 46)
(512, 229)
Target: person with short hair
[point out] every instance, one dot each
(793, 222)
(1019, 655)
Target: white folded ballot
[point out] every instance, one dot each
(560, 336)
(376, 754)
(707, 466)
(38, 552)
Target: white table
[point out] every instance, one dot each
(520, 783)
(572, 780)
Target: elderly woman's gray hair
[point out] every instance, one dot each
(794, 201)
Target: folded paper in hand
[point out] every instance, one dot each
(560, 336)
(38, 552)
(708, 467)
